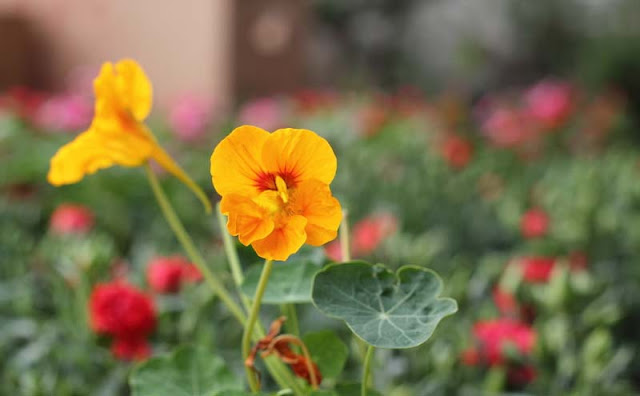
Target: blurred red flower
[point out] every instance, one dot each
(457, 151)
(308, 101)
(534, 223)
(510, 307)
(136, 348)
(537, 269)
(71, 219)
(367, 235)
(166, 274)
(549, 102)
(124, 312)
(521, 375)
(24, 101)
(578, 261)
(493, 336)
(371, 118)
(506, 302)
(369, 232)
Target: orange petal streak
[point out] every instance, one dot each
(299, 155)
(236, 162)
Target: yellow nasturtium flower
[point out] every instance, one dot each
(117, 134)
(275, 189)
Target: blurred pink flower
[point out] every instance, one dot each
(333, 250)
(534, 223)
(71, 219)
(508, 127)
(65, 113)
(549, 102)
(190, 116)
(167, 274)
(266, 113)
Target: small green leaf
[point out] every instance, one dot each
(290, 282)
(384, 309)
(186, 372)
(353, 390)
(327, 351)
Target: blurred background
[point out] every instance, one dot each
(495, 141)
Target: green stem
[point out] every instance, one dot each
(278, 371)
(189, 247)
(365, 371)
(232, 255)
(253, 317)
(344, 236)
(293, 327)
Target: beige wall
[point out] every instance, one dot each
(183, 45)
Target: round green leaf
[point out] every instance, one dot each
(290, 282)
(384, 309)
(327, 351)
(186, 372)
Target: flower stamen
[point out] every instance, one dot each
(281, 186)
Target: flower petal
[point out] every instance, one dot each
(236, 162)
(247, 220)
(123, 87)
(284, 241)
(314, 201)
(298, 155)
(96, 149)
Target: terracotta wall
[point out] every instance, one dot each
(183, 45)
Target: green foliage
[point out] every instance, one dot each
(327, 351)
(188, 371)
(290, 282)
(386, 310)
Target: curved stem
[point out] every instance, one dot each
(310, 367)
(253, 317)
(164, 159)
(344, 236)
(189, 247)
(365, 371)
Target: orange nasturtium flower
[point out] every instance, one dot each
(117, 134)
(275, 189)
